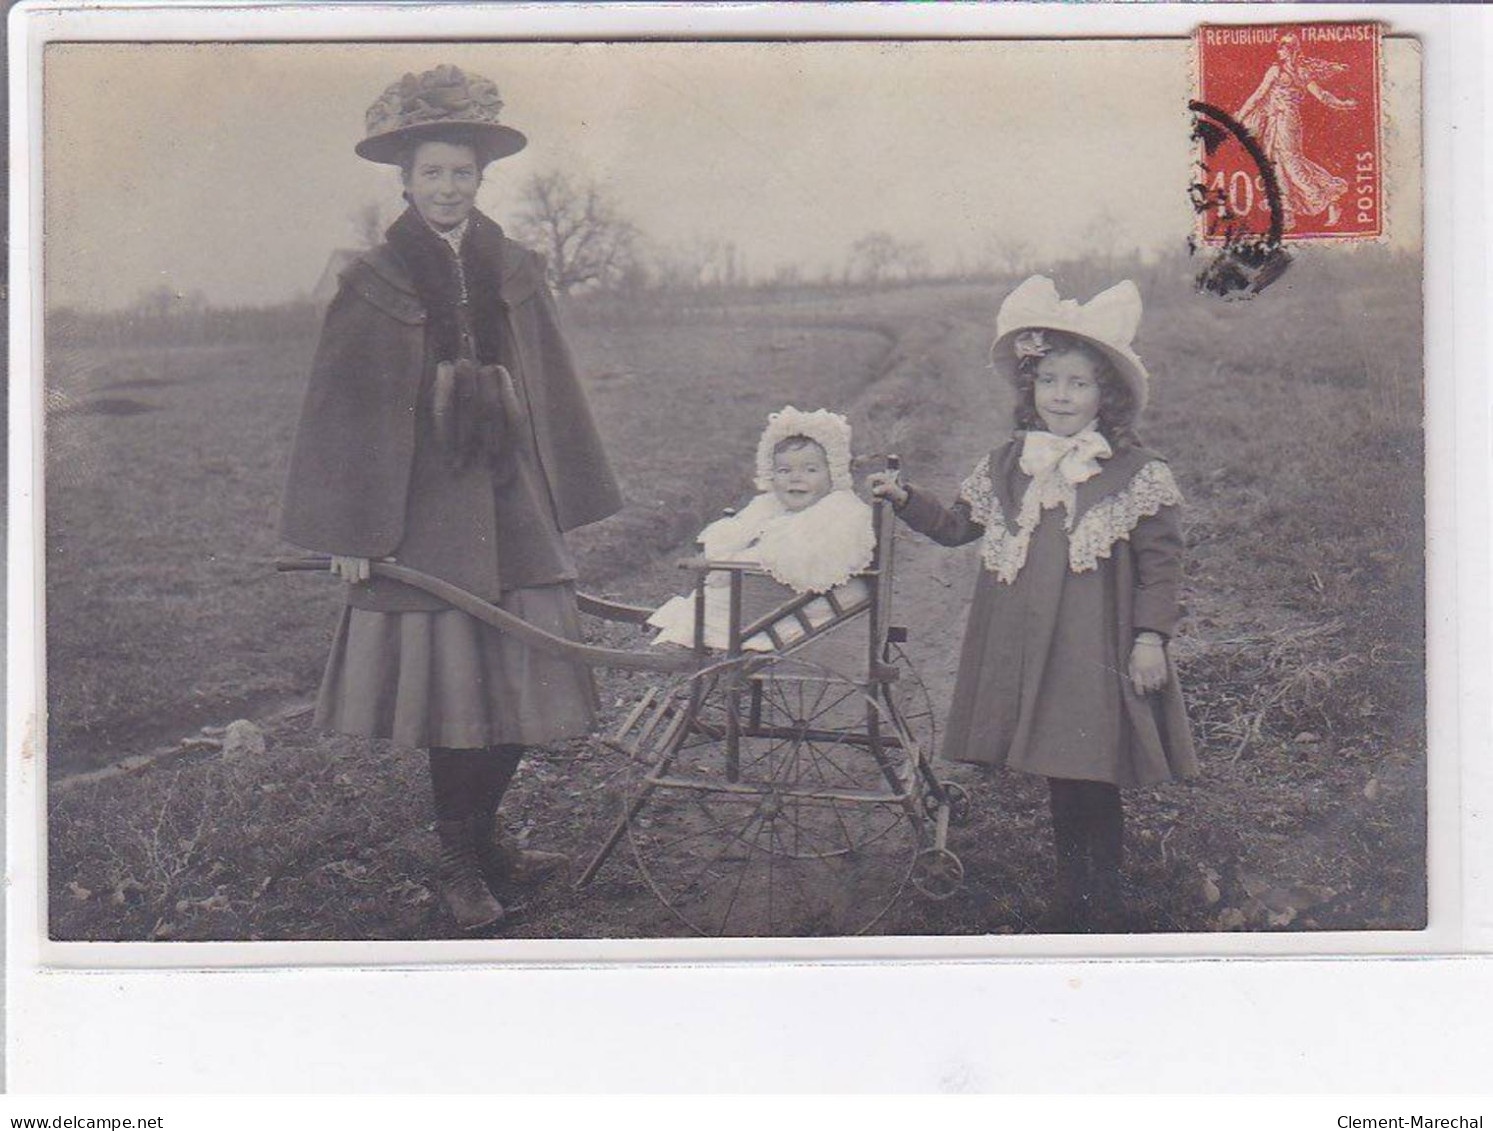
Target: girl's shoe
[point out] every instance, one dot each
(1068, 905)
(466, 897)
(1108, 914)
(1064, 918)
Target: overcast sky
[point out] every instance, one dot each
(229, 169)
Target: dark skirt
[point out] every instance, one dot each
(444, 678)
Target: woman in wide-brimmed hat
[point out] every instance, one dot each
(444, 427)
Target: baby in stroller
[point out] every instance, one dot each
(807, 530)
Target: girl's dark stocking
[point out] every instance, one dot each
(1069, 904)
(1106, 821)
(1105, 818)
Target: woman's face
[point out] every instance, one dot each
(800, 476)
(1067, 391)
(442, 182)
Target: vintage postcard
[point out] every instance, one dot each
(744, 514)
(1070, 589)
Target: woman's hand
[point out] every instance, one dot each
(1148, 664)
(350, 569)
(888, 485)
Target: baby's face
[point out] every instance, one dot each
(800, 476)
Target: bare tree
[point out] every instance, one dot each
(580, 232)
(787, 275)
(368, 223)
(872, 257)
(1103, 239)
(1004, 253)
(878, 256)
(700, 262)
(671, 267)
(915, 263)
(157, 302)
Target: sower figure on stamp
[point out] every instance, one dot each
(444, 427)
(1064, 670)
(1273, 114)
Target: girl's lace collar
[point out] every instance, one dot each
(1091, 537)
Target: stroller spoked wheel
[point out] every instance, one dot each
(784, 803)
(937, 873)
(955, 796)
(959, 803)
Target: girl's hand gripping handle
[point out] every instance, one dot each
(888, 485)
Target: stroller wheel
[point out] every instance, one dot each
(959, 804)
(937, 873)
(776, 808)
(955, 796)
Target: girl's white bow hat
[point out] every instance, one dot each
(829, 430)
(1108, 321)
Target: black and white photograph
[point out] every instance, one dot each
(516, 491)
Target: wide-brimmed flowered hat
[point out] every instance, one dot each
(1108, 321)
(444, 104)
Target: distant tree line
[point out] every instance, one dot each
(589, 247)
(593, 251)
(163, 316)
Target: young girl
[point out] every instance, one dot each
(1064, 669)
(807, 529)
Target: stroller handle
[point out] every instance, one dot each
(505, 621)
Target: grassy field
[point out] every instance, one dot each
(1293, 424)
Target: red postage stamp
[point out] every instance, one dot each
(1289, 119)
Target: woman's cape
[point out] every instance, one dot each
(350, 463)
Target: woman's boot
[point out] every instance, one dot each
(499, 855)
(454, 790)
(466, 897)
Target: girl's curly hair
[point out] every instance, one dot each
(1116, 402)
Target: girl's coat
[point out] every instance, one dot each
(1043, 683)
